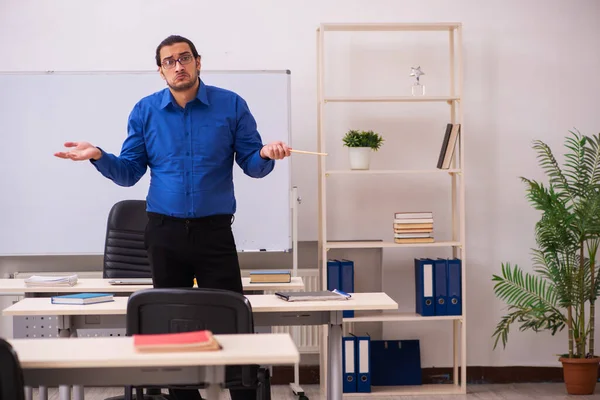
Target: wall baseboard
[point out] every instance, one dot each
(309, 374)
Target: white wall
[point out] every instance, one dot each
(531, 71)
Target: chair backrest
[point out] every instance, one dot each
(125, 255)
(161, 310)
(11, 374)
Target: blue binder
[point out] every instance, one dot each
(395, 362)
(363, 365)
(454, 286)
(347, 282)
(424, 300)
(349, 363)
(333, 275)
(440, 276)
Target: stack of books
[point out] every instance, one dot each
(413, 227)
(270, 276)
(202, 340)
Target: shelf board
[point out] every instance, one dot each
(391, 99)
(392, 171)
(437, 26)
(446, 388)
(378, 316)
(375, 244)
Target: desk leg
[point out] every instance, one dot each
(64, 331)
(215, 378)
(64, 392)
(42, 393)
(28, 392)
(334, 356)
(64, 326)
(78, 392)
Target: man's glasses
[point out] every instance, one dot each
(183, 60)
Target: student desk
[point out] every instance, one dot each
(115, 362)
(17, 286)
(268, 310)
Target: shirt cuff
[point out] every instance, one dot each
(103, 161)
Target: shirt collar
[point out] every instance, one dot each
(201, 95)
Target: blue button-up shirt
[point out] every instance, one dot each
(190, 151)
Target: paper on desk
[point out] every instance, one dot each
(39, 280)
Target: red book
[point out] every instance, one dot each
(183, 341)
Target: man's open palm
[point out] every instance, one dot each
(78, 151)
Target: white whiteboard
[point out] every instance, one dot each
(54, 206)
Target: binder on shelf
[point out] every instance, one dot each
(363, 365)
(440, 276)
(395, 363)
(454, 286)
(347, 282)
(424, 298)
(333, 275)
(349, 364)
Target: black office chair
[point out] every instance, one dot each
(11, 375)
(125, 255)
(154, 311)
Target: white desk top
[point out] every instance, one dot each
(102, 285)
(266, 348)
(259, 302)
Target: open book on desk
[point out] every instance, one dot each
(322, 295)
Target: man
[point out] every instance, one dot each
(189, 134)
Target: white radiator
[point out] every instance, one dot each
(307, 338)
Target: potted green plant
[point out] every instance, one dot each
(360, 144)
(563, 290)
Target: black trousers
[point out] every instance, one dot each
(204, 248)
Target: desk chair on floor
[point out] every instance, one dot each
(154, 311)
(11, 374)
(125, 255)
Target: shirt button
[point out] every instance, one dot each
(187, 173)
(187, 134)
(187, 154)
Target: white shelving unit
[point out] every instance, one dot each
(456, 242)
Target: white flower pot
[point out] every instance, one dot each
(359, 157)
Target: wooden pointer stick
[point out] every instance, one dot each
(307, 152)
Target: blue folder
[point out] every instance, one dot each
(333, 275)
(440, 276)
(454, 286)
(395, 362)
(424, 296)
(349, 363)
(347, 282)
(363, 364)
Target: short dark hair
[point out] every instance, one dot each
(172, 40)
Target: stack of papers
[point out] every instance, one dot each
(39, 280)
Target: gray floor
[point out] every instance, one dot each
(553, 391)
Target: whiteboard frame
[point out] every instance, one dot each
(292, 239)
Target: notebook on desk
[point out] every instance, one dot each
(131, 281)
(82, 298)
(322, 295)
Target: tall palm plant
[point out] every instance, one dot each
(567, 237)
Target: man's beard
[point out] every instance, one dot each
(182, 87)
